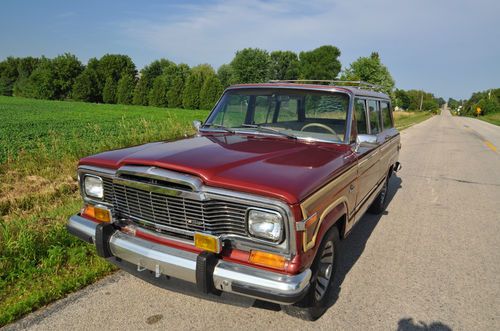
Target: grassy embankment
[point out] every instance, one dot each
(40, 143)
(493, 118)
(405, 119)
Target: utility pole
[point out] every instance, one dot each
(421, 99)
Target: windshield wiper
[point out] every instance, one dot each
(268, 129)
(218, 126)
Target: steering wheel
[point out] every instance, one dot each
(323, 126)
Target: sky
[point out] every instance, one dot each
(448, 47)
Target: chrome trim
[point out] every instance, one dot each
(97, 170)
(161, 174)
(81, 225)
(165, 260)
(226, 274)
(85, 188)
(157, 189)
(145, 254)
(286, 247)
(269, 211)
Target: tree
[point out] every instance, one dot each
(370, 69)
(54, 78)
(453, 104)
(194, 83)
(175, 91)
(285, 65)
(109, 91)
(421, 100)
(251, 65)
(440, 101)
(402, 99)
(210, 92)
(141, 92)
(147, 76)
(66, 69)
(43, 80)
(86, 86)
(125, 90)
(110, 68)
(191, 94)
(25, 67)
(158, 94)
(8, 75)
(225, 75)
(320, 63)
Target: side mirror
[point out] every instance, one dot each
(197, 125)
(364, 139)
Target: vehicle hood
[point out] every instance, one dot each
(282, 168)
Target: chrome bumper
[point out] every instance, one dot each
(180, 264)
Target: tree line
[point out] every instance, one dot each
(417, 100)
(487, 101)
(114, 78)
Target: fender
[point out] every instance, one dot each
(314, 231)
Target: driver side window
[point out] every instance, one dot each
(360, 108)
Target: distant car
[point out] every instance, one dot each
(256, 202)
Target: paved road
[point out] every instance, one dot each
(431, 262)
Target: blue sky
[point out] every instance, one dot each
(448, 47)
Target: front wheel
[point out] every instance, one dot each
(315, 302)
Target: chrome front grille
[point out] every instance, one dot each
(176, 213)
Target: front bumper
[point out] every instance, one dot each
(219, 275)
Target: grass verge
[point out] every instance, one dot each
(405, 119)
(493, 118)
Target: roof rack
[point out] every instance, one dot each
(355, 83)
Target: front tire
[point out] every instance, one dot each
(324, 267)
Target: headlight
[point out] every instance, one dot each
(93, 186)
(265, 224)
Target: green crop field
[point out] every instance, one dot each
(40, 144)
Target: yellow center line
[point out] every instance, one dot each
(490, 145)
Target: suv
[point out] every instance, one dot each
(256, 202)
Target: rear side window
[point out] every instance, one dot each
(360, 108)
(386, 115)
(374, 115)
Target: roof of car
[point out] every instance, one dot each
(331, 88)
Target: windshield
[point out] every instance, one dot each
(291, 113)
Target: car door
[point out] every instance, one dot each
(388, 138)
(368, 125)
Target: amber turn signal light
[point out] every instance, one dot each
(267, 259)
(207, 242)
(100, 214)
